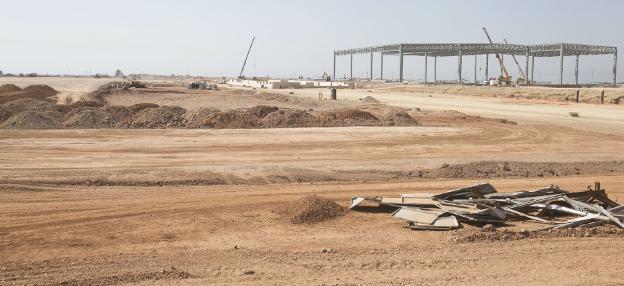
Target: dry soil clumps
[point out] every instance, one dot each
(310, 209)
(157, 117)
(33, 120)
(489, 234)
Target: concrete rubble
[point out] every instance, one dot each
(482, 204)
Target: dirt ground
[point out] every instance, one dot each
(215, 234)
(196, 206)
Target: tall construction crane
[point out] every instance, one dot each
(505, 78)
(523, 78)
(246, 57)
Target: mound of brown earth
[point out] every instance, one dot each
(118, 114)
(493, 169)
(9, 87)
(87, 117)
(489, 234)
(84, 103)
(229, 120)
(370, 99)
(157, 117)
(196, 118)
(347, 117)
(140, 106)
(262, 110)
(33, 120)
(310, 209)
(288, 119)
(390, 116)
(39, 92)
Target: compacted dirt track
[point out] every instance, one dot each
(215, 234)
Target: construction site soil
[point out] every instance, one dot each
(101, 197)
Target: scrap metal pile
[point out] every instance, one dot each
(482, 204)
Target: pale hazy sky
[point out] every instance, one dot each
(294, 37)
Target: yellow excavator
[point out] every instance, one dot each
(505, 78)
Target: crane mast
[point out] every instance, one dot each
(246, 57)
(505, 75)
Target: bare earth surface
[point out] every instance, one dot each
(196, 207)
(608, 118)
(214, 235)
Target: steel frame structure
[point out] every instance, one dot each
(560, 50)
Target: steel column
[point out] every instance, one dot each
(435, 69)
(334, 78)
(459, 66)
(526, 69)
(561, 65)
(615, 68)
(475, 70)
(371, 70)
(487, 67)
(401, 63)
(576, 70)
(351, 68)
(426, 60)
(532, 70)
(381, 66)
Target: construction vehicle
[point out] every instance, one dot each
(240, 76)
(505, 78)
(326, 77)
(523, 77)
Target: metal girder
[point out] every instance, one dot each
(452, 49)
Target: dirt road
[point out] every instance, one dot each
(593, 117)
(216, 234)
(274, 155)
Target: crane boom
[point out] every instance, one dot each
(500, 61)
(246, 57)
(522, 75)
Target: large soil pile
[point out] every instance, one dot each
(39, 92)
(157, 117)
(95, 114)
(33, 120)
(9, 87)
(310, 209)
(391, 116)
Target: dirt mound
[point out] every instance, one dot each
(347, 117)
(157, 117)
(118, 114)
(310, 209)
(262, 110)
(9, 87)
(370, 99)
(229, 120)
(39, 92)
(289, 119)
(487, 234)
(389, 115)
(33, 120)
(493, 169)
(196, 118)
(140, 106)
(82, 104)
(87, 117)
